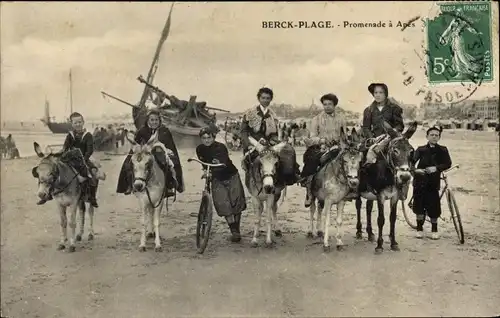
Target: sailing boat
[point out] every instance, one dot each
(59, 127)
(183, 118)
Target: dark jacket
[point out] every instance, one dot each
(83, 141)
(428, 156)
(248, 131)
(373, 119)
(217, 151)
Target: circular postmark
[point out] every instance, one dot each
(455, 53)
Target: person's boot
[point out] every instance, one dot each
(89, 191)
(420, 227)
(434, 230)
(235, 229)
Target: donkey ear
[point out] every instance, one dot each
(38, 150)
(130, 137)
(354, 135)
(412, 128)
(343, 138)
(277, 148)
(389, 130)
(34, 172)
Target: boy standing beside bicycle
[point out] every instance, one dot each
(432, 159)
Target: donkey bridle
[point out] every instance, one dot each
(145, 180)
(55, 173)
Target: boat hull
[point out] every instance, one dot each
(184, 137)
(59, 128)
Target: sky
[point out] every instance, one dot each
(217, 51)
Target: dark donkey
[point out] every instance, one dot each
(63, 181)
(388, 179)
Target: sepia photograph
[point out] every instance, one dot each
(249, 159)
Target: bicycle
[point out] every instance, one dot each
(204, 224)
(452, 205)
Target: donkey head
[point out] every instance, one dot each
(399, 152)
(142, 160)
(46, 171)
(351, 156)
(267, 163)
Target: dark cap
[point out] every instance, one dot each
(435, 127)
(371, 88)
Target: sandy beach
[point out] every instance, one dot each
(109, 277)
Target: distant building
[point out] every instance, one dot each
(432, 109)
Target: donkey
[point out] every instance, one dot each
(260, 182)
(149, 186)
(65, 183)
(335, 183)
(387, 179)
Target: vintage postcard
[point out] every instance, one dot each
(249, 159)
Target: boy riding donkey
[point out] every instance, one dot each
(324, 135)
(77, 151)
(261, 124)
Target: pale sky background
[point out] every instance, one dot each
(217, 51)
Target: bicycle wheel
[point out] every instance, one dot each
(204, 224)
(455, 215)
(408, 218)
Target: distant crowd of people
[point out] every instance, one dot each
(108, 138)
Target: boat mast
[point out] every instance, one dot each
(70, 93)
(153, 67)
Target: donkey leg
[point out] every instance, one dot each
(340, 230)
(380, 223)
(64, 227)
(91, 222)
(81, 212)
(319, 221)
(156, 212)
(145, 212)
(327, 207)
(369, 229)
(269, 221)
(392, 220)
(258, 212)
(277, 229)
(72, 225)
(151, 227)
(359, 226)
(312, 210)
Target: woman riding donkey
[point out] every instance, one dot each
(153, 129)
(77, 151)
(261, 124)
(324, 134)
(380, 110)
(227, 190)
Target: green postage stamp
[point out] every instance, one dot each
(459, 45)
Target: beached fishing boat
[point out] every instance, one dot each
(183, 118)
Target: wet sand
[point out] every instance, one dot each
(109, 277)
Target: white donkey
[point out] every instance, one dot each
(335, 183)
(64, 182)
(260, 182)
(149, 185)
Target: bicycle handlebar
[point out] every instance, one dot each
(450, 169)
(212, 165)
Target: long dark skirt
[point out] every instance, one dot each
(229, 196)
